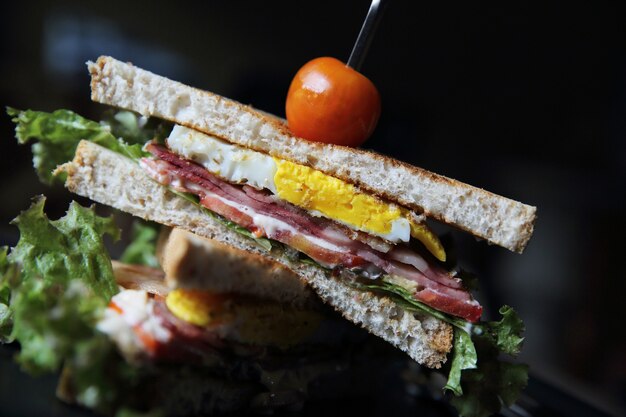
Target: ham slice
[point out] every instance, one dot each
(330, 244)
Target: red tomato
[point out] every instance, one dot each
(332, 103)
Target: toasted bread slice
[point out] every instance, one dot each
(140, 277)
(110, 178)
(497, 219)
(192, 261)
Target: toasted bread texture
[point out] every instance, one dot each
(192, 261)
(140, 277)
(497, 219)
(112, 179)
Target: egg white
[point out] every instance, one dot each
(230, 162)
(244, 166)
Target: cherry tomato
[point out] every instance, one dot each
(332, 103)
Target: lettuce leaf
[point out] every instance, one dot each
(6, 316)
(57, 135)
(463, 357)
(135, 129)
(404, 298)
(491, 339)
(481, 381)
(59, 278)
(142, 249)
(495, 383)
(61, 250)
(506, 333)
(65, 279)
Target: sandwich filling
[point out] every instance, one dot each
(320, 194)
(334, 246)
(65, 273)
(188, 325)
(72, 311)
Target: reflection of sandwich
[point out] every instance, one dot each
(231, 293)
(240, 333)
(180, 349)
(193, 262)
(349, 222)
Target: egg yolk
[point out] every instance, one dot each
(315, 191)
(305, 187)
(195, 306)
(429, 239)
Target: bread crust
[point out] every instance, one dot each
(112, 179)
(192, 261)
(497, 219)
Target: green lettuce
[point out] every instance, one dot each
(58, 250)
(464, 357)
(482, 386)
(142, 249)
(135, 129)
(6, 316)
(60, 279)
(65, 279)
(494, 383)
(57, 135)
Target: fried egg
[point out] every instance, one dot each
(305, 187)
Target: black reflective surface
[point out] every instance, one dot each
(25, 395)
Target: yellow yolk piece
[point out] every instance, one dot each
(315, 191)
(194, 306)
(305, 187)
(422, 233)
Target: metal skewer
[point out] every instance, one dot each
(364, 40)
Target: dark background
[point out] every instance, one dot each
(524, 99)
